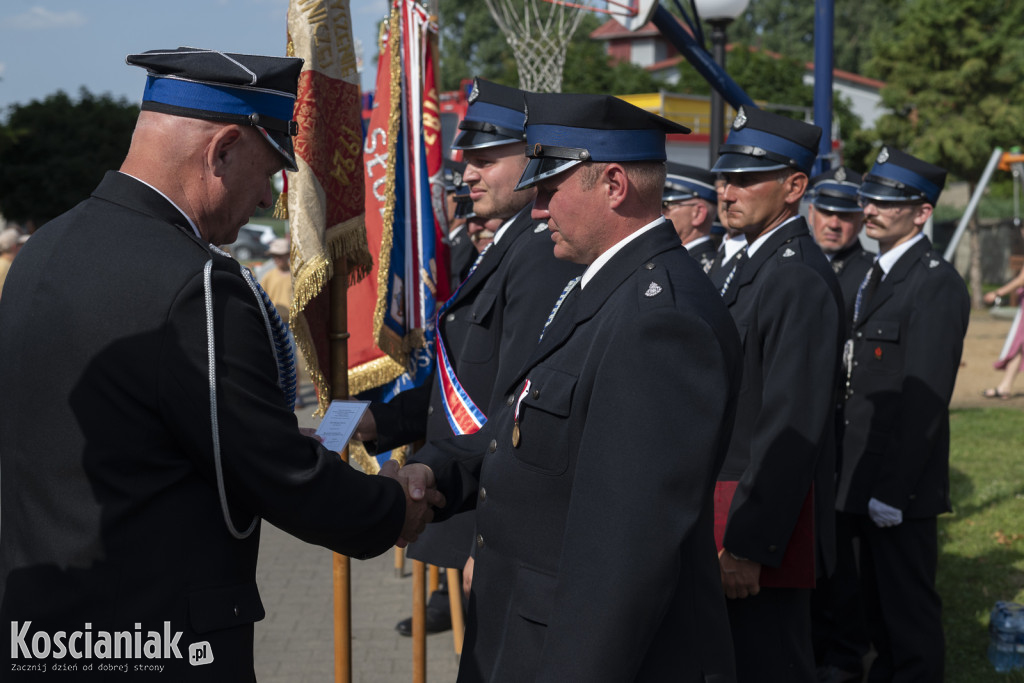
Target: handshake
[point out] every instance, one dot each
(421, 494)
(421, 497)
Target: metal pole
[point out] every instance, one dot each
(973, 204)
(717, 104)
(696, 55)
(823, 59)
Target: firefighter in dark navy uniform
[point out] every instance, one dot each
(909, 321)
(775, 499)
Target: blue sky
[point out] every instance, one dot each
(50, 45)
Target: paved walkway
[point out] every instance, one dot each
(295, 642)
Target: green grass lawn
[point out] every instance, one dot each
(981, 544)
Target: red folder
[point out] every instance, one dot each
(797, 568)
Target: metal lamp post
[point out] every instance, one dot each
(719, 14)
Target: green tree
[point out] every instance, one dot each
(588, 68)
(471, 45)
(787, 27)
(778, 80)
(953, 70)
(53, 153)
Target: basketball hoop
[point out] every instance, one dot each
(538, 31)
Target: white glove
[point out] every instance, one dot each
(882, 514)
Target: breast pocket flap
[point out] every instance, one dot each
(551, 391)
(882, 330)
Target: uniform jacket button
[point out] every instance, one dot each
(536, 393)
(430, 410)
(483, 493)
(450, 317)
(236, 610)
(772, 548)
(510, 401)
(494, 445)
(479, 541)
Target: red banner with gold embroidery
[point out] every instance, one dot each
(325, 196)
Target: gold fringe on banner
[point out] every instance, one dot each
(281, 205)
(373, 374)
(346, 240)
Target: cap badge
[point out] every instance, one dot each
(653, 289)
(474, 93)
(840, 174)
(883, 156)
(789, 252)
(740, 120)
(456, 178)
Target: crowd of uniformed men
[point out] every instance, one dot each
(653, 457)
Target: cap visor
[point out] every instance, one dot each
(741, 163)
(544, 167)
(884, 193)
(282, 142)
(837, 205)
(478, 139)
(677, 196)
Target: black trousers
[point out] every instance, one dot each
(771, 633)
(838, 626)
(903, 609)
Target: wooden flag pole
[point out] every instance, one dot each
(419, 622)
(455, 603)
(339, 389)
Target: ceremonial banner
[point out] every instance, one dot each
(391, 315)
(325, 197)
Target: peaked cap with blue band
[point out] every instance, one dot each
(496, 116)
(900, 177)
(763, 141)
(684, 182)
(254, 90)
(836, 190)
(563, 130)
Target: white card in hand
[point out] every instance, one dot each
(340, 421)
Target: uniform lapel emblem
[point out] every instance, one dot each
(934, 263)
(541, 227)
(789, 252)
(653, 289)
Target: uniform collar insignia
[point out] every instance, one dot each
(789, 252)
(541, 227)
(934, 263)
(653, 289)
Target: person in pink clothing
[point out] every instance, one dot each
(1010, 357)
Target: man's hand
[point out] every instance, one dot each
(467, 576)
(884, 515)
(421, 497)
(366, 430)
(740, 578)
